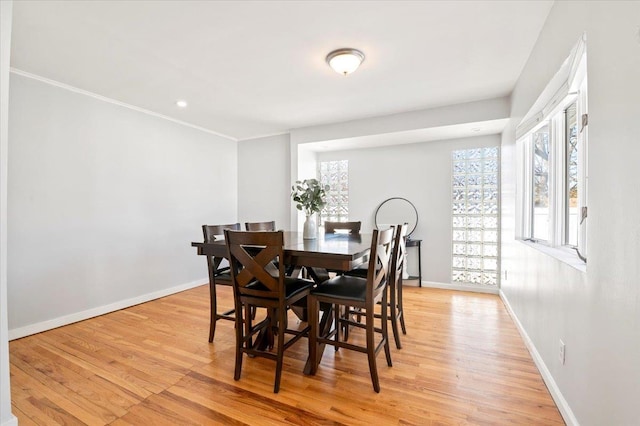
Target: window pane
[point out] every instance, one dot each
(541, 183)
(571, 166)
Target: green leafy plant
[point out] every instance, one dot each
(309, 195)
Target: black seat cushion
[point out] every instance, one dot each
(223, 278)
(293, 286)
(343, 287)
(360, 271)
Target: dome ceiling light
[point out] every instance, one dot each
(345, 61)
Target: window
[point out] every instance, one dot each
(540, 154)
(475, 216)
(552, 145)
(571, 178)
(336, 175)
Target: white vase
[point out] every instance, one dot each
(310, 231)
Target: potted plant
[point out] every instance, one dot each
(309, 196)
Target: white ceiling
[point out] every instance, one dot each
(250, 69)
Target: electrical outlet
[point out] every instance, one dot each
(562, 352)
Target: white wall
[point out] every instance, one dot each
(103, 204)
(264, 180)
(6, 418)
(597, 313)
(481, 113)
(419, 172)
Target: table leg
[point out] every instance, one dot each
(326, 321)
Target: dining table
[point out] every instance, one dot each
(338, 251)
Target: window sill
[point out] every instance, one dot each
(563, 254)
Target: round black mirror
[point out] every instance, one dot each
(397, 210)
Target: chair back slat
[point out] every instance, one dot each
(251, 255)
(380, 252)
(398, 256)
(349, 227)
(260, 226)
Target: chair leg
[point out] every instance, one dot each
(337, 316)
(371, 349)
(312, 312)
(239, 341)
(345, 312)
(213, 304)
(385, 328)
(394, 316)
(282, 323)
(246, 321)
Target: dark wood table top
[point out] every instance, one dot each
(332, 251)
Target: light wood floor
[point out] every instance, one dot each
(463, 362)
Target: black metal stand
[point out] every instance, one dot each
(417, 243)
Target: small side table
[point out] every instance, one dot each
(412, 242)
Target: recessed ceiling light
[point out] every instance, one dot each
(345, 61)
(181, 104)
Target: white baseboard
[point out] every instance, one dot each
(39, 327)
(563, 405)
(460, 287)
(13, 421)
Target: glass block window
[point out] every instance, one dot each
(475, 224)
(336, 175)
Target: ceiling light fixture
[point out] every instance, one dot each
(181, 104)
(345, 61)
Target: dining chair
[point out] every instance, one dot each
(218, 275)
(260, 226)
(396, 270)
(257, 283)
(322, 274)
(359, 293)
(395, 282)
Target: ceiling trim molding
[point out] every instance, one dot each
(268, 135)
(116, 102)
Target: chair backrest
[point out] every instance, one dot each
(260, 226)
(398, 254)
(251, 255)
(213, 263)
(350, 227)
(210, 231)
(379, 256)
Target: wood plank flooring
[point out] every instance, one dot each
(462, 362)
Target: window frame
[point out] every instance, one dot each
(566, 232)
(558, 175)
(550, 183)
